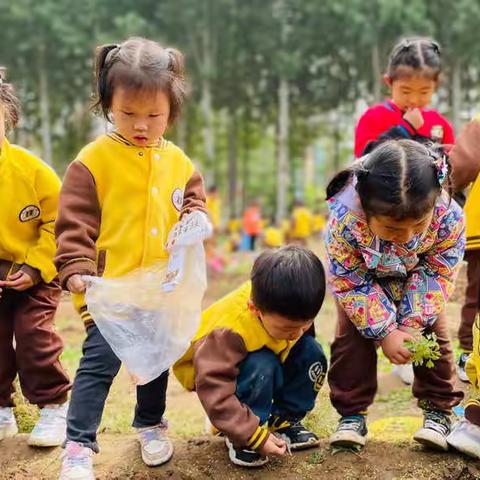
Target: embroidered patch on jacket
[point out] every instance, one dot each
(177, 199)
(316, 375)
(436, 133)
(29, 213)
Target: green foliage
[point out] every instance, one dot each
(425, 350)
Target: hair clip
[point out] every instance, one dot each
(405, 45)
(441, 168)
(436, 47)
(360, 170)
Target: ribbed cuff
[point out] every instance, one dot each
(258, 438)
(408, 126)
(80, 266)
(32, 272)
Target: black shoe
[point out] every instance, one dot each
(351, 432)
(436, 427)
(244, 457)
(294, 433)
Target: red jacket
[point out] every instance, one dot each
(387, 118)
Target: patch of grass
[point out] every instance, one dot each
(395, 429)
(397, 397)
(316, 458)
(323, 419)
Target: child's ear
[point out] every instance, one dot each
(253, 309)
(387, 80)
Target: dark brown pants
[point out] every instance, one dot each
(353, 371)
(472, 300)
(29, 317)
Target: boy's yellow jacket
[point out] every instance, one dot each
(29, 201)
(228, 332)
(117, 205)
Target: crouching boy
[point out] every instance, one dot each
(254, 366)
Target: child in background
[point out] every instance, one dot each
(301, 223)
(120, 198)
(252, 224)
(273, 236)
(319, 223)
(395, 241)
(412, 76)
(29, 291)
(253, 367)
(465, 160)
(214, 207)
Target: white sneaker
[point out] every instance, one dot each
(465, 437)
(76, 462)
(461, 373)
(155, 446)
(8, 424)
(51, 427)
(405, 372)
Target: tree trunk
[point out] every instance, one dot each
(456, 94)
(282, 149)
(44, 101)
(376, 73)
(232, 163)
(182, 132)
(336, 142)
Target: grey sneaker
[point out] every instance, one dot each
(465, 437)
(436, 427)
(155, 446)
(50, 430)
(8, 424)
(351, 432)
(76, 462)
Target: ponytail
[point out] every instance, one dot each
(338, 182)
(101, 77)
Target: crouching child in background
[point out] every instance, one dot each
(253, 363)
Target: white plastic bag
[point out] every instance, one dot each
(148, 319)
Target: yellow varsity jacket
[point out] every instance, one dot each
(29, 201)
(227, 333)
(117, 205)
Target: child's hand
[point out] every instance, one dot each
(416, 333)
(393, 348)
(19, 281)
(273, 446)
(75, 284)
(415, 117)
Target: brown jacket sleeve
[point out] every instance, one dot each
(465, 156)
(215, 361)
(194, 197)
(78, 224)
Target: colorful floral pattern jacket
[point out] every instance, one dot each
(382, 285)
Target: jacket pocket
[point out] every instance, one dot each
(101, 262)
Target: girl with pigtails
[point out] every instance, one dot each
(395, 241)
(120, 198)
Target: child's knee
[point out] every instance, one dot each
(260, 364)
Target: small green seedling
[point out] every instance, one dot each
(425, 350)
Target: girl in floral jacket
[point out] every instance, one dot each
(395, 241)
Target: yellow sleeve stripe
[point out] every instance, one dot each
(257, 438)
(473, 402)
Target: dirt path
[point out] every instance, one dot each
(206, 458)
(390, 453)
